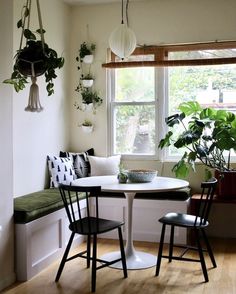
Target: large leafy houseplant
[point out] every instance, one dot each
(46, 61)
(36, 58)
(207, 135)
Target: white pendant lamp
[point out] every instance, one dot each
(122, 40)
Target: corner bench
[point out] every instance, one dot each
(41, 224)
(41, 231)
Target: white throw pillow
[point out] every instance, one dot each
(61, 171)
(104, 166)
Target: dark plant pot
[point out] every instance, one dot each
(31, 61)
(122, 178)
(226, 187)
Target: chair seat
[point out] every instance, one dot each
(92, 225)
(182, 220)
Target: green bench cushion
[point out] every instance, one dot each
(34, 205)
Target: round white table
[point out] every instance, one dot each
(134, 259)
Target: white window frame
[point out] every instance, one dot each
(161, 90)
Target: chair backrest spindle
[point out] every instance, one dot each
(205, 202)
(71, 199)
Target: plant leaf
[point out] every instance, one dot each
(26, 11)
(190, 107)
(29, 35)
(166, 141)
(181, 169)
(174, 119)
(39, 31)
(19, 24)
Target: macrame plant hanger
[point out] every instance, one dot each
(34, 104)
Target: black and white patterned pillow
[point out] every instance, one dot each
(80, 162)
(61, 171)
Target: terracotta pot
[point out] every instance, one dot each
(226, 187)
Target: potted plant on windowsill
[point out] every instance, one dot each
(208, 135)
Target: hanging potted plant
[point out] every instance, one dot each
(36, 58)
(208, 135)
(87, 126)
(86, 52)
(87, 80)
(90, 99)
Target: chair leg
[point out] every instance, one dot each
(94, 263)
(171, 242)
(63, 261)
(122, 252)
(202, 260)
(88, 250)
(209, 250)
(160, 250)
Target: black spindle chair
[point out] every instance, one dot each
(196, 222)
(89, 226)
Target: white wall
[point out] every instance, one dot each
(37, 134)
(7, 275)
(154, 22)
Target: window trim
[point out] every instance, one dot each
(161, 55)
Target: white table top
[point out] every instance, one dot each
(111, 184)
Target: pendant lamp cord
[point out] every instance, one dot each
(126, 11)
(122, 11)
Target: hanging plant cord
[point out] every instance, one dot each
(34, 104)
(33, 59)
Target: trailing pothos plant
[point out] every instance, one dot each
(88, 96)
(35, 59)
(207, 135)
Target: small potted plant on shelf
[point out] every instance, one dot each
(87, 80)
(87, 126)
(86, 52)
(207, 135)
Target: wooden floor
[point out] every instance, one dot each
(176, 277)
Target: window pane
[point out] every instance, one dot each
(134, 129)
(212, 86)
(146, 57)
(202, 54)
(134, 84)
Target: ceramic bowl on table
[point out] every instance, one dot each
(141, 175)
